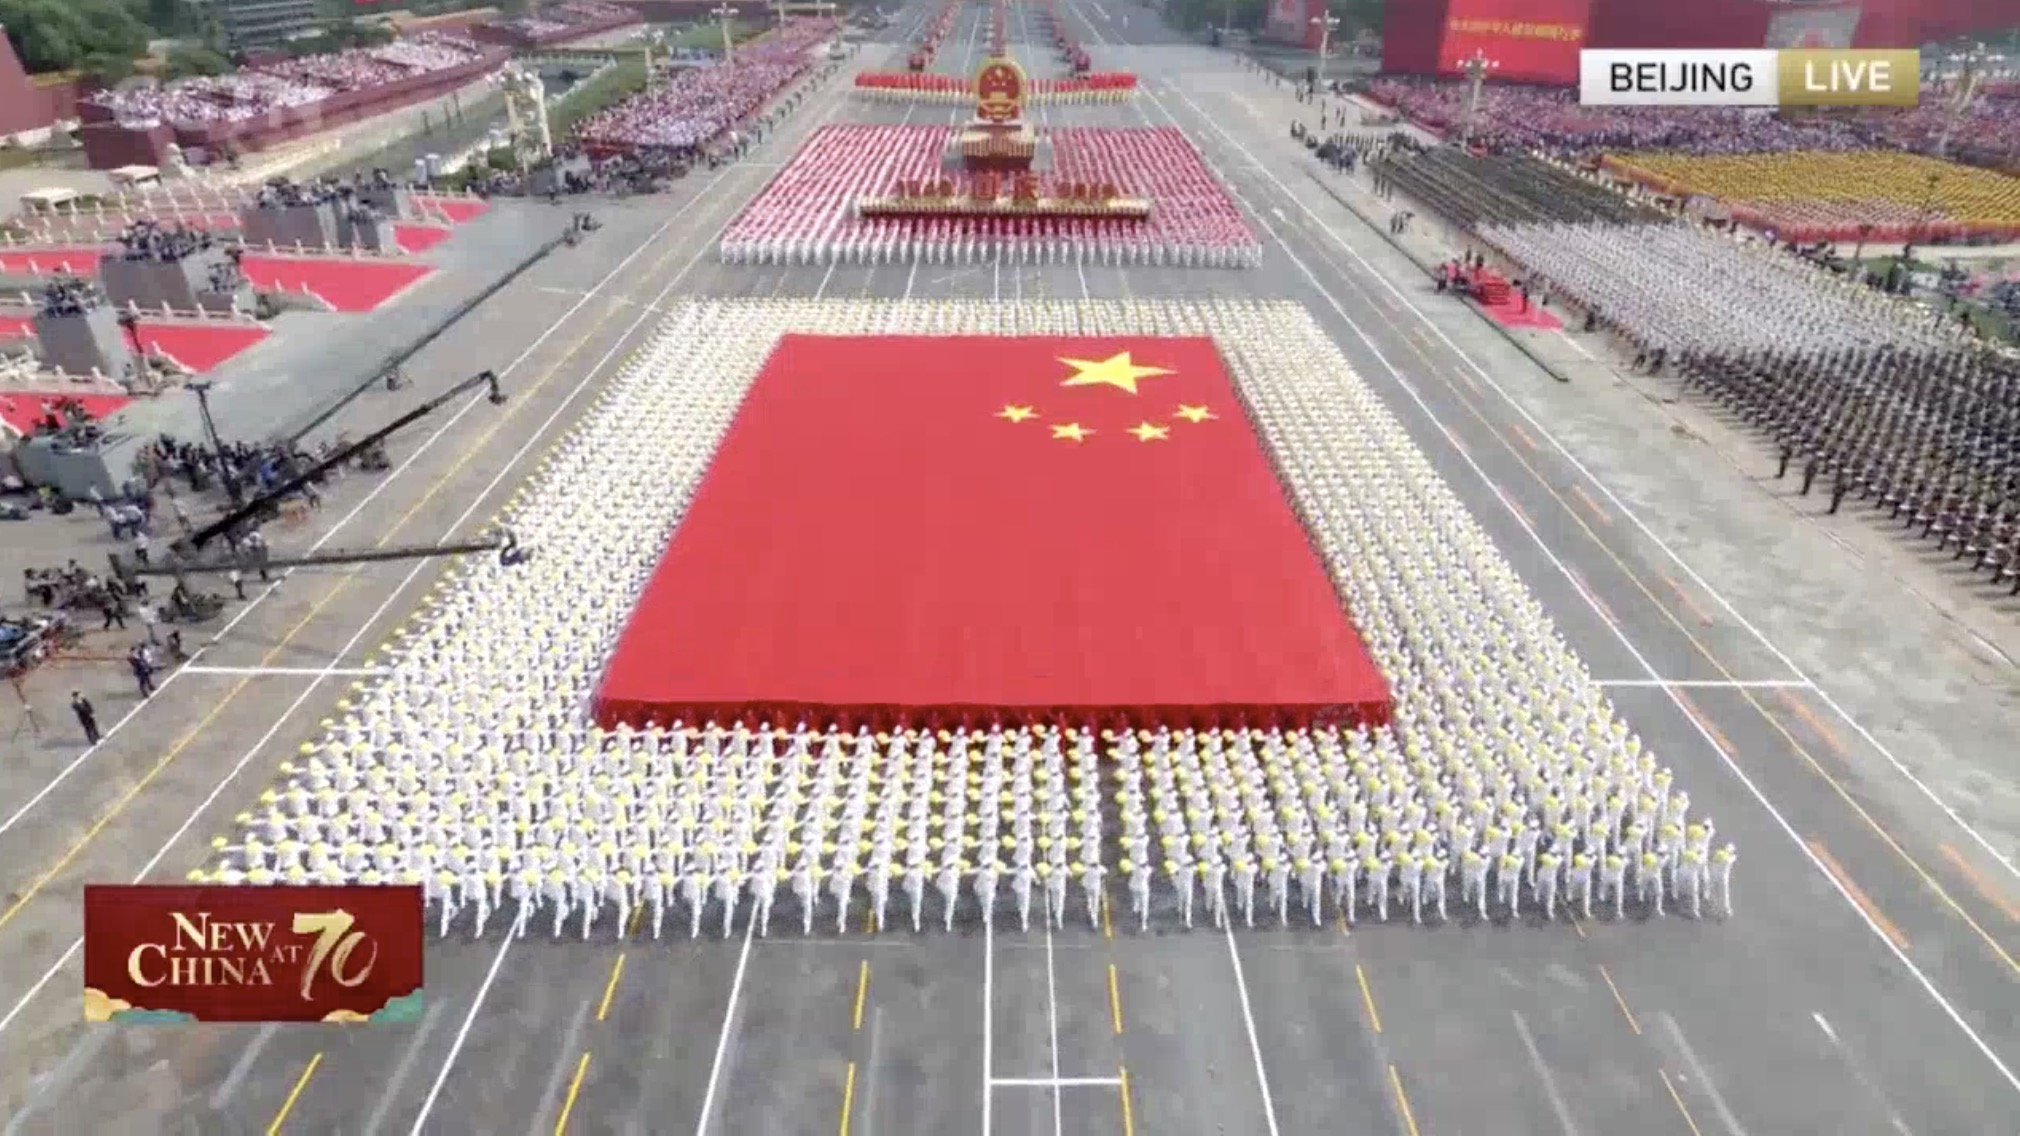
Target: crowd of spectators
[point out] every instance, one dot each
(557, 18)
(697, 106)
(1513, 118)
(150, 239)
(70, 296)
(254, 92)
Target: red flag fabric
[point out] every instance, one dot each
(937, 530)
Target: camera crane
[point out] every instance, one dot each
(186, 557)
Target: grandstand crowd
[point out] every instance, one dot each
(256, 91)
(559, 18)
(1723, 268)
(696, 106)
(1538, 118)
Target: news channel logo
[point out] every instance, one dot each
(1846, 77)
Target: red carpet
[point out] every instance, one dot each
(419, 238)
(75, 260)
(20, 412)
(457, 209)
(349, 285)
(1503, 305)
(878, 541)
(199, 347)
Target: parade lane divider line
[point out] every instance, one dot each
(1368, 998)
(1619, 1001)
(1403, 1110)
(294, 1094)
(160, 766)
(330, 534)
(1128, 1109)
(1982, 885)
(1114, 1000)
(476, 502)
(1680, 1106)
(1816, 724)
(610, 988)
(1633, 517)
(1578, 492)
(862, 996)
(848, 1098)
(1858, 894)
(1700, 721)
(1696, 612)
(574, 1091)
(1921, 977)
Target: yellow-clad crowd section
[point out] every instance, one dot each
(1819, 194)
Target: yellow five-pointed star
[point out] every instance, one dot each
(1118, 371)
(1145, 432)
(1193, 413)
(1072, 432)
(1016, 413)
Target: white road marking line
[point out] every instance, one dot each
(570, 1056)
(728, 1025)
(1707, 684)
(1859, 1071)
(275, 672)
(232, 1080)
(1702, 1075)
(1254, 1043)
(988, 1022)
(1052, 1024)
(1544, 1074)
(404, 1068)
(49, 1088)
(1928, 985)
(1053, 1082)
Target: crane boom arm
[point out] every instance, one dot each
(236, 517)
(175, 567)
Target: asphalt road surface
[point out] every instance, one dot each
(1864, 985)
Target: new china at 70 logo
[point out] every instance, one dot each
(252, 954)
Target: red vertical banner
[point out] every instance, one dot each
(252, 954)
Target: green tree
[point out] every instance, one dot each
(100, 37)
(184, 61)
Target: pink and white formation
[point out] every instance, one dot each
(808, 214)
(699, 105)
(294, 83)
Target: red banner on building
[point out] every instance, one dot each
(1530, 41)
(252, 954)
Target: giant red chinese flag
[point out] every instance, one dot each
(928, 530)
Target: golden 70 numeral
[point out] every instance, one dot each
(335, 941)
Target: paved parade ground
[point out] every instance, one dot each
(1864, 985)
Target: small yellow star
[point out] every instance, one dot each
(1072, 432)
(1145, 432)
(1193, 413)
(1016, 413)
(1118, 371)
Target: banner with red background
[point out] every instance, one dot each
(1533, 41)
(252, 954)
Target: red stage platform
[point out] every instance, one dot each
(349, 285)
(936, 530)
